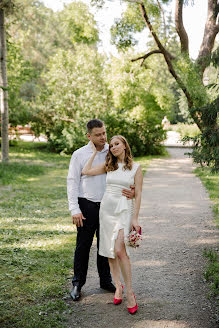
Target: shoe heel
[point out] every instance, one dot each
(133, 309)
(118, 301)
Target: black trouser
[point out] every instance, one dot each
(85, 234)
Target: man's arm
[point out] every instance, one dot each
(73, 182)
(129, 193)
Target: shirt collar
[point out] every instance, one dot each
(105, 149)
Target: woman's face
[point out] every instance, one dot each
(117, 147)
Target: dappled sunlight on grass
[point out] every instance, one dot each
(37, 236)
(52, 228)
(32, 179)
(42, 243)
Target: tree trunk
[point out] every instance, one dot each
(180, 29)
(3, 91)
(168, 58)
(211, 30)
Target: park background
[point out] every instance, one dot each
(63, 70)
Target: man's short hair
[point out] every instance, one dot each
(94, 124)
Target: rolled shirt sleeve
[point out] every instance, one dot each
(73, 183)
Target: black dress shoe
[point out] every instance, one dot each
(109, 287)
(76, 293)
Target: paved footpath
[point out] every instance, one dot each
(168, 268)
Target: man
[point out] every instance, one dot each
(84, 197)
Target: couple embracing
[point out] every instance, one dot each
(102, 183)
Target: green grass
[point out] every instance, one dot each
(212, 272)
(37, 238)
(211, 182)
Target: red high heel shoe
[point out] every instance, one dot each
(133, 309)
(117, 301)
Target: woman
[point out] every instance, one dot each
(118, 215)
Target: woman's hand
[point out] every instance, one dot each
(135, 226)
(93, 147)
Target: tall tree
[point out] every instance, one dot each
(73, 87)
(187, 73)
(4, 84)
(34, 34)
(181, 67)
(77, 24)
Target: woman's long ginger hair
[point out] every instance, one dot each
(111, 163)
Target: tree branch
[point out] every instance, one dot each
(147, 55)
(163, 17)
(148, 23)
(167, 56)
(180, 29)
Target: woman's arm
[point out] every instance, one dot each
(96, 170)
(138, 190)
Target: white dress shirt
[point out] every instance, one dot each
(89, 187)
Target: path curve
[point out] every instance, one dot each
(168, 268)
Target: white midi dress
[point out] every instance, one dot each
(116, 210)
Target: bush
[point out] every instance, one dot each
(206, 144)
(205, 152)
(144, 137)
(66, 138)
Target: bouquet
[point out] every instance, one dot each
(134, 238)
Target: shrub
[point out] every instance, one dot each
(206, 144)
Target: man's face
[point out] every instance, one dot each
(98, 136)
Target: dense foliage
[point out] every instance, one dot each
(206, 151)
(58, 80)
(195, 99)
(74, 91)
